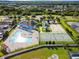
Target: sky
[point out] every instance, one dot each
(39, 0)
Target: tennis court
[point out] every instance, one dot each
(57, 34)
(55, 37)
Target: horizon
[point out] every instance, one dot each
(39, 0)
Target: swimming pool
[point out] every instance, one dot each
(18, 37)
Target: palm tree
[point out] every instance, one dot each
(53, 42)
(46, 42)
(49, 42)
(5, 35)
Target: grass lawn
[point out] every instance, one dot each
(1, 54)
(75, 49)
(71, 17)
(43, 53)
(1, 42)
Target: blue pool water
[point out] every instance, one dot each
(25, 26)
(16, 37)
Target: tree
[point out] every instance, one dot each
(58, 19)
(56, 48)
(49, 42)
(66, 46)
(70, 49)
(53, 42)
(6, 34)
(14, 22)
(46, 42)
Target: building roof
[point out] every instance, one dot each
(1, 33)
(5, 19)
(25, 26)
(74, 55)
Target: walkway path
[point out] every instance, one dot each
(37, 47)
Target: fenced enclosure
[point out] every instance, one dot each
(49, 36)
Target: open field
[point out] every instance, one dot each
(71, 17)
(43, 53)
(1, 54)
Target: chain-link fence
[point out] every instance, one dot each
(49, 36)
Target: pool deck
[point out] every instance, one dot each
(17, 45)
